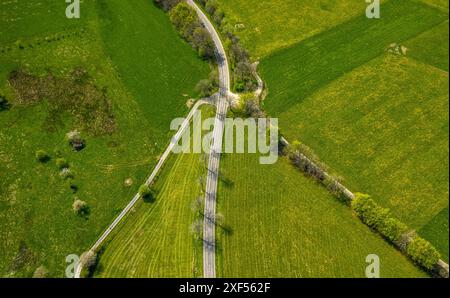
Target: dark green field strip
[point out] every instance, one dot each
(20, 20)
(431, 47)
(158, 69)
(436, 231)
(295, 73)
(283, 224)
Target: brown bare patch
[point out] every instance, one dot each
(74, 93)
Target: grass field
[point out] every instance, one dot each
(285, 225)
(297, 72)
(37, 224)
(434, 230)
(378, 120)
(431, 47)
(156, 240)
(272, 25)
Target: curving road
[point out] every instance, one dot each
(209, 251)
(209, 227)
(149, 181)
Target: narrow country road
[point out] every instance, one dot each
(222, 104)
(209, 226)
(149, 181)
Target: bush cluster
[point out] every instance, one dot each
(42, 156)
(381, 220)
(378, 218)
(186, 21)
(423, 253)
(242, 70)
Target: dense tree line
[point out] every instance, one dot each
(242, 70)
(381, 220)
(186, 21)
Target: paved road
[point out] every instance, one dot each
(149, 181)
(209, 227)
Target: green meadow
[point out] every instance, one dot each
(282, 224)
(266, 26)
(37, 224)
(379, 120)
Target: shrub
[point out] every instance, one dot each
(75, 140)
(61, 163)
(80, 207)
(185, 20)
(211, 7)
(40, 272)
(66, 173)
(88, 259)
(42, 156)
(378, 218)
(146, 192)
(423, 253)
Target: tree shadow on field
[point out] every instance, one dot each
(227, 182)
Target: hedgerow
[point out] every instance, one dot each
(380, 219)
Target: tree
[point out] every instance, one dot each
(211, 7)
(423, 253)
(146, 192)
(42, 156)
(88, 259)
(75, 140)
(204, 87)
(61, 163)
(40, 272)
(185, 19)
(203, 43)
(80, 207)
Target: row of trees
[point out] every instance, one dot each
(381, 220)
(376, 217)
(242, 70)
(187, 23)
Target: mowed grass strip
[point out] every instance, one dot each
(155, 240)
(435, 231)
(283, 224)
(431, 46)
(158, 68)
(295, 73)
(384, 129)
(267, 25)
